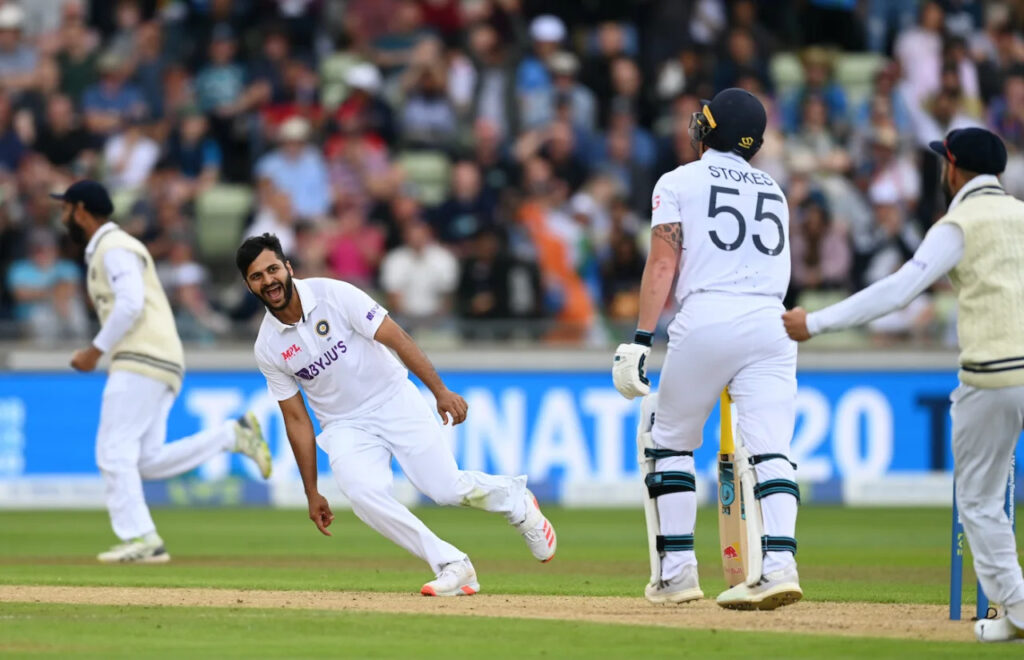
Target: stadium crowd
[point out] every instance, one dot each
(485, 166)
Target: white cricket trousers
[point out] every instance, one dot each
(130, 447)
(736, 340)
(986, 426)
(360, 453)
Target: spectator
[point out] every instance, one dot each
(494, 99)
(125, 41)
(194, 153)
(582, 104)
(63, 140)
(151, 65)
(741, 58)
(276, 216)
(885, 19)
(363, 109)
(495, 289)
(130, 156)
(267, 73)
(393, 50)
(419, 277)
(355, 249)
(469, 209)
(31, 102)
(815, 138)
(893, 239)
(112, 99)
(818, 82)
(533, 81)
(597, 69)
(886, 91)
(12, 148)
(46, 291)
(627, 93)
(78, 59)
(299, 170)
(819, 249)
(185, 282)
(1006, 112)
(919, 52)
(358, 167)
(220, 85)
(496, 169)
(18, 59)
(628, 174)
(621, 271)
(428, 117)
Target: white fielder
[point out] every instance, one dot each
(336, 351)
(980, 244)
(146, 369)
(724, 226)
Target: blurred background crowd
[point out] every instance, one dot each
(483, 166)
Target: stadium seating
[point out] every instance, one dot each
(221, 212)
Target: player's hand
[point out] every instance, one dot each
(450, 403)
(320, 513)
(629, 370)
(795, 321)
(85, 359)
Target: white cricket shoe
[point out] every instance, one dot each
(142, 550)
(997, 630)
(778, 588)
(455, 579)
(249, 441)
(683, 588)
(537, 531)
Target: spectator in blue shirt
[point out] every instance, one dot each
(817, 63)
(533, 81)
(220, 85)
(195, 154)
(113, 98)
(299, 170)
(46, 291)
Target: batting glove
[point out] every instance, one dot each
(629, 370)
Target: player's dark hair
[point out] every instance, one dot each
(253, 247)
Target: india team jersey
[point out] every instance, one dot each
(735, 224)
(330, 352)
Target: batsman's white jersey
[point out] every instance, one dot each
(369, 411)
(735, 227)
(734, 272)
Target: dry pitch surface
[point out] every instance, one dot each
(919, 622)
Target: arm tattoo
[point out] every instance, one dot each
(671, 233)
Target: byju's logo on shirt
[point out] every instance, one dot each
(315, 368)
(291, 351)
(373, 312)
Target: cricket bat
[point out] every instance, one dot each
(732, 530)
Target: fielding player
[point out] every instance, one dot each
(146, 369)
(333, 340)
(724, 226)
(980, 243)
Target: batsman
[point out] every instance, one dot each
(723, 227)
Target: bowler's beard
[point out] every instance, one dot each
(289, 290)
(75, 232)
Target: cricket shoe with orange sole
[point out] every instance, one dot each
(683, 588)
(455, 579)
(775, 589)
(537, 531)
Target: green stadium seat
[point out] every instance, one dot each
(856, 73)
(786, 71)
(332, 75)
(123, 201)
(221, 212)
(429, 172)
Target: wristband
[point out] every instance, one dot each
(643, 338)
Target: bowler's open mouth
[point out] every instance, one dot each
(274, 292)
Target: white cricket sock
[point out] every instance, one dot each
(778, 512)
(677, 513)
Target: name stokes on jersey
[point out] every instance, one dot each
(755, 178)
(316, 367)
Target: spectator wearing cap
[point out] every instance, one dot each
(18, 59)
(46, 291)
(887, 166)
(419, 277)
(533, 80)
(582, 105)
(298, 169)
(107, 103)
(130, 155)
(364, 109)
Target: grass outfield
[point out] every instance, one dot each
(846, 555)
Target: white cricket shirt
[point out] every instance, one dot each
(330, 352)
(735, 224)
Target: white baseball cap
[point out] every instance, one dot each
(11, 17)
(294, 129)
(364, 76)
(547, 27)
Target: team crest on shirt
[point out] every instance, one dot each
(322, 328)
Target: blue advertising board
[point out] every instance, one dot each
(560, 428)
